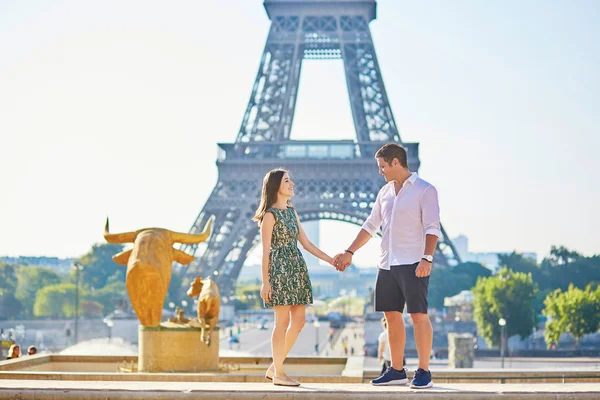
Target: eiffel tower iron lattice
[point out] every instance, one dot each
(335, 180)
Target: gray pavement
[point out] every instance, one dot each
(54, 390)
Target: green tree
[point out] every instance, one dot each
(472, 270)
(109, 295)
(580, 273)
(445, 283)
(538, 300)
(507, 295)
(10, 306)
(29, 281)
(91, 308)
(449, 282)
(575, 311)
(99, 266)
(55, 301)
(561, 256)
(563, 267)
(518, 263)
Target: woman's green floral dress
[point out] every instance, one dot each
(288, 275)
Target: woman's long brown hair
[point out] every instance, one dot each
(270, 187)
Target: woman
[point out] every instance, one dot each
(285, 282)
(14, 352)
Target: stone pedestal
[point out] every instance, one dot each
(181, 349)
(460, 350)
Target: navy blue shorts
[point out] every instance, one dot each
(400, 286)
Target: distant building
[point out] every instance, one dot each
(488, 260)
(461, 244)
(459, 307)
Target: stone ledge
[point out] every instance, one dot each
(165, 377)
(54, 390)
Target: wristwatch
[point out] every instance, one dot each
(428, 258)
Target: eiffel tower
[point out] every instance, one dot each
(335, 180)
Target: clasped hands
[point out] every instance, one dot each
(341, 261)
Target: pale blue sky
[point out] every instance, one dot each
(115, 107)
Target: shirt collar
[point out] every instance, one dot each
(412, 178)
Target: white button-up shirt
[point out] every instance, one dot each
(404, 219)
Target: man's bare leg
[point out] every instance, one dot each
(423, 338)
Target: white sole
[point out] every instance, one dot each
(430, 384)
(392, 383)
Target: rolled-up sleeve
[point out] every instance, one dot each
(430, 212)
(373, 223)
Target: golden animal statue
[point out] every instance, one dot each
(209, 305)
(149, 265)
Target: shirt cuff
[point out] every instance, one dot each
(433, 231)
(367, 227)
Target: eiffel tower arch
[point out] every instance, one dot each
(335, 180)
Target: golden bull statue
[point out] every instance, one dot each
(149, 265)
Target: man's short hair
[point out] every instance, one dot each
(390, 151)
(32, 348)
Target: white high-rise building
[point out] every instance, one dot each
(488, 259)
(461, 244)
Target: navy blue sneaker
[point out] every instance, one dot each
(391, 377)
(421, 380)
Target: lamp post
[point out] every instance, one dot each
(76, 267)
(316, 324)
(502, 323)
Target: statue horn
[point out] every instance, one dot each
(117, 238)
(194, 238)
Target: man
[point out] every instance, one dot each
(32, 350)
(407, 211)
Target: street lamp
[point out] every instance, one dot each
(76, 267)
(502, 323)
(316, 324)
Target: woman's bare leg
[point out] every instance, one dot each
(278, 340)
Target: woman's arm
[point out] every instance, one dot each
(308, 246)
(266, 232)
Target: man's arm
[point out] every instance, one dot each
(368, 230)
(430, 216)
(342, 260)
(430, 244)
